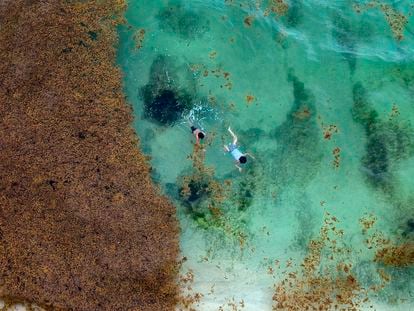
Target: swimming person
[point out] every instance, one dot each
(199, 134)
(239, 157)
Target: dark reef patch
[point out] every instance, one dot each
(307, 220)
(195, 198)
(299, 153)
(410, 225)
(165, 108)
(244, 189)
(298, 156)
(164, 101)
(245, 194)
(185, 23)
(200, 192)
(388, 141)
(362, 111)
(295, 14)
(408, 228)
(404, 75)
(376, 160)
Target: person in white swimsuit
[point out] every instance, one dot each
(239, 157)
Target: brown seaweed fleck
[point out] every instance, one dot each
(248, 21)
(336, 152)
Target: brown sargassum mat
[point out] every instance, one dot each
(81, 225)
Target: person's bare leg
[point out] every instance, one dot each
(233, 135)
(239, 168)
(226, 148)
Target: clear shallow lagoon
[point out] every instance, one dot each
(321, 93)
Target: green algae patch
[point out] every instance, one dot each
(206, 199)
(81, 225)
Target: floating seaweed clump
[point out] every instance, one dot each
(291, 15)
(185, 23)
(248, 21)
(396, 255)
(391, 266)
(396, 20)
(164, 102)
(279, 7)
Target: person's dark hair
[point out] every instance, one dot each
(200, 135)
(242, 159)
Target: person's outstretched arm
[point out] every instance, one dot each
(233, 135)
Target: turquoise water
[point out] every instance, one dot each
(320, 94)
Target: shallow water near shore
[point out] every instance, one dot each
(321, 95)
